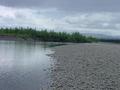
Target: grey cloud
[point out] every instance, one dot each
(67, 5)
(103, 21)
(95, 22)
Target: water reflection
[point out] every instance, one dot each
(22, 65)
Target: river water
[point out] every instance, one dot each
(24, 65)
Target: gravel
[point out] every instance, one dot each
(86, 66)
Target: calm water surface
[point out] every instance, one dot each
(23, 66)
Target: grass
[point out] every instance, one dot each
(44, 35)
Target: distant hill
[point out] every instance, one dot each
(102, 36)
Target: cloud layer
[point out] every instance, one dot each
(85, 22)
(67, 5)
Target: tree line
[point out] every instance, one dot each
(45, 35)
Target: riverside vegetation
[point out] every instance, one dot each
(45, 35)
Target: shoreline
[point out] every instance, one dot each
(85, 66)
(6, 37)
(14, 38)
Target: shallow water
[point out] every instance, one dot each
(23, 65)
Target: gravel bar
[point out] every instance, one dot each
(86, 66)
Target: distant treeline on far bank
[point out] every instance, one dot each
(45, 35)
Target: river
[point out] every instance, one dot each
(24, 65)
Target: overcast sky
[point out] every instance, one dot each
(86, 16)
